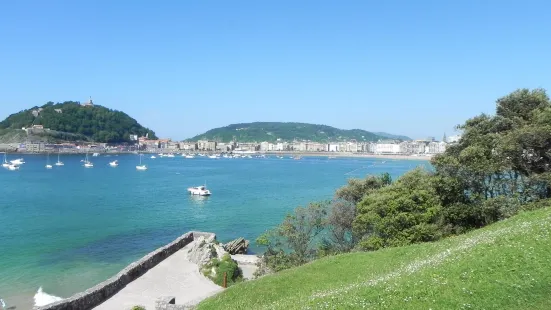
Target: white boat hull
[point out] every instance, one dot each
(198, 191)
(141, 168)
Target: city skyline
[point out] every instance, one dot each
(415, 69)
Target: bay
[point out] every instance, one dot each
(69, 228)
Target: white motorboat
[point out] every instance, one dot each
(13, 167)
(213, 156)
(114, 163)
(153, 157)
(17, 162)
(59, 162)
(95, 155)
(199, 190)
(140, 166)
(189, 156)
(170, 155)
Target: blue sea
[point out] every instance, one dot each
(69, 228)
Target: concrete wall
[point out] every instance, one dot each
(103, 291)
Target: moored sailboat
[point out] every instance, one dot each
(88, 163)
(140, 166)
(59, 162)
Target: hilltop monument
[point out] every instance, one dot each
(89, 103)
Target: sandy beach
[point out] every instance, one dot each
(349, 155)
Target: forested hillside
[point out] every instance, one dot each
(272, 131)
(97, 123)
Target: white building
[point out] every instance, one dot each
(264, 146)
(387, 148)
(435, 148)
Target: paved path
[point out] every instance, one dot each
(175, 276)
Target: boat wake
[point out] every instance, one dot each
(42, 299)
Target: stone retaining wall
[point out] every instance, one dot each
(96, 295)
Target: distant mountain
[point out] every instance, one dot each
(272, 131)
(391, 136)
(72, 121)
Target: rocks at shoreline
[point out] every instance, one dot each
(237, 246)
(202, 250)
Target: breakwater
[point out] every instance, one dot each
(104, 290)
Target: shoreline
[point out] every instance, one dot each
(349, 155)
(285, 153)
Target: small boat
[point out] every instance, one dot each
(140, 166)
(189, 156)
(114, 163)
(17, 162)
(170, 155)
(199, 190)
(13, 167)
(213, 156)
(59, 162)
(48, 166)
(297, 158)
(153, 157)
(95, 155)
(87, 163)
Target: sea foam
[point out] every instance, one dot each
(42, 299)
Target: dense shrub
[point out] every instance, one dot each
(402, 213)
(216, 268)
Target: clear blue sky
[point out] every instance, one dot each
(182, 67)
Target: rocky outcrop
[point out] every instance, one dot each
(203, 250)
(237, 246)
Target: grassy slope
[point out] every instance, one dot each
(503, 266)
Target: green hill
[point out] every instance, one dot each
(502, 266)
(70, 120)
(271, 131)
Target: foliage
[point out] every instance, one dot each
(272, 131)
(399, 214)
(216, 268)
(96, 123)
(502, 266)
(500, 160)
(356, 189)
(339, 237)
(138, 308)
(292, 243)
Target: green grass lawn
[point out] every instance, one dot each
(503, 266)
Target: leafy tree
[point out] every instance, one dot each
(404, 212)
(356, 189)
(505, 156)
(293, 242)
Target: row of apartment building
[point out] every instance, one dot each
(380, 147)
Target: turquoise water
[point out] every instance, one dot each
(69, 228)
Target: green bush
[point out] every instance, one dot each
(138, 308)
(216, 268)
